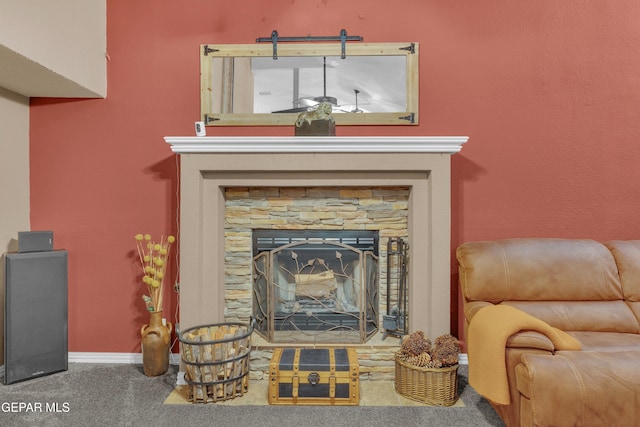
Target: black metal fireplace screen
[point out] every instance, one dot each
(315, 286)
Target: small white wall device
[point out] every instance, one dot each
(200, 129)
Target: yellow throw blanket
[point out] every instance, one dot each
(488, 333)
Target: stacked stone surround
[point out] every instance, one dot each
(385, 209)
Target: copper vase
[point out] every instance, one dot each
(156, 340)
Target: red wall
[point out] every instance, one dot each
(548, 91)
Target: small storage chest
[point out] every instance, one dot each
(314, 376)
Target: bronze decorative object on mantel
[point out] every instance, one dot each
(316, 122)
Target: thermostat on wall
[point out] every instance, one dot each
(200, 129)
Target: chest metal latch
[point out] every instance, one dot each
(313, 378)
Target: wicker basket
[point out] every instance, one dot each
(433, 386)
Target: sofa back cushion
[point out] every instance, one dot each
(627, 256)
(571, 284)
(591, 316)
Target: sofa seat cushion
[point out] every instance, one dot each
(607, 341)
(580, 388)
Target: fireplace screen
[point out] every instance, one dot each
(315, 286)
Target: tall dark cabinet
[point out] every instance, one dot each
(35, 338)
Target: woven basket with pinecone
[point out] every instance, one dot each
(416, 349)
(426, 372)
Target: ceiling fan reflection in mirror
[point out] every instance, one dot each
(301, 104)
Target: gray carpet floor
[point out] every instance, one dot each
(121, 395)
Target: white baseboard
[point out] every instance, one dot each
(93, 357)
(132, 358)
(136, 358)
(124, 358)
(180, 379)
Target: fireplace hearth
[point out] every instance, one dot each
(316, 286)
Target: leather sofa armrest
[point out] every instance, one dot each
(471, 308)
(530, 339)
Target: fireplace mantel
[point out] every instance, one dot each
(209, 165)
(310, 144)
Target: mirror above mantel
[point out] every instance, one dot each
(246, 85)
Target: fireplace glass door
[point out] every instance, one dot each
(315, 286)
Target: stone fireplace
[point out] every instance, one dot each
(220, 178)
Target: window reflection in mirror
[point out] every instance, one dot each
(245, 86)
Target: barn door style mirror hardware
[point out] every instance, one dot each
(271, 82)
(275, 38)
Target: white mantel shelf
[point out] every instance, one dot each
(310, 144)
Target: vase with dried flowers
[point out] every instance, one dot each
(155, 336)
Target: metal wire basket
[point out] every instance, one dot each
(216, 359)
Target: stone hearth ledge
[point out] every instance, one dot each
(309, 144)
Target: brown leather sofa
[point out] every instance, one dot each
(588, 289)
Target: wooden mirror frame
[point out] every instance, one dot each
(409, 50)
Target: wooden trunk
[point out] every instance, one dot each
(314, 376)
